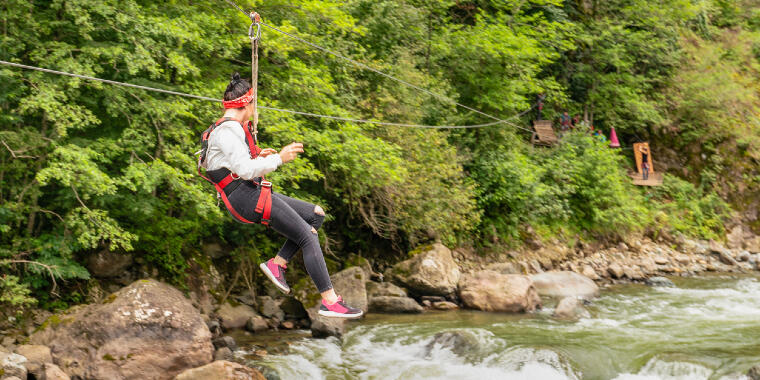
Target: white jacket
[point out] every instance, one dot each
(227, 149)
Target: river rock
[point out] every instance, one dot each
(106, 263)
(430, 272)
(223, 353)
(615, 270)
(564, 284)
(221, 370)
(53, 372)
(36, 356)
(384, 289)
(385, 304)
(589, 272)
(459, 342)
(148, 330)
(444, 305)
(225, 341)
(323, 327)
(660, 281)
(270, 308)
(257, 324)
(743, 256)
(570, 308)
(492, 291)
(13, 365)
(754, 373)
(235, 317)
(661, 260)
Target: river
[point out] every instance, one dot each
(704, 328)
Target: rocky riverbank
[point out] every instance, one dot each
(150, 330)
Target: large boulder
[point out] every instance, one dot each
(493, 291)
(386, 304)
(221, 370)
(351, 285)
(564, 284)
(270, 308)
(429, 272)
(106, 263)
(53, 372)
(147, 330)
(235, 317)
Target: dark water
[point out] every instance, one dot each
(704, 328)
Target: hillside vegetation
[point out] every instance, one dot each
(86, 166)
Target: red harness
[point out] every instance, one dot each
(264, 204)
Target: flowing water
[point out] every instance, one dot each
(704, 328)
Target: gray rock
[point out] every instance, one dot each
(384, 289)
(221, 370)
(322, 327)
(225, 341)
(257, 324)
(235, 317)
(223, 353)
(564, 284)
(459, 342)
(570, 308)
(105, 263)
(660, 281)
(615, 270)
(270, 308)
(754, 373)
(743, 256)
(36, 356)
(386, 304)
(13, 365)
(146, 330)
(492, 291)
(53, 372)
(430, 272)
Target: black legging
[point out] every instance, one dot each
(294, 219)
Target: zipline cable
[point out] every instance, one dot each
(366, 67)
(302, 113)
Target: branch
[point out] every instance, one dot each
(52, 269)
(13, 153)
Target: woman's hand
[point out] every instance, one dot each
(290, 152)
(266, 152)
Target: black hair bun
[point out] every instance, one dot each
(235, 77)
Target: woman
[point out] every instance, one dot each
(230, 155)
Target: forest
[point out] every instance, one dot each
(86, 166)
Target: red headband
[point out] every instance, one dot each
(239, 102)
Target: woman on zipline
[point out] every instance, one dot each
(235, 165)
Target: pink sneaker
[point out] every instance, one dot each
(339, 310)
(276, 274)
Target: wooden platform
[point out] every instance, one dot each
(655, 179)
(543, 133)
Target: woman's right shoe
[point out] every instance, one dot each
(276, 274)
(339, 310)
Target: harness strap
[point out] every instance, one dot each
(264, 205)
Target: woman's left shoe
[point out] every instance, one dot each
(339, 310)
(276, 274)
